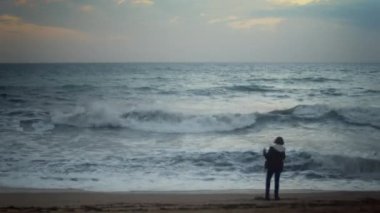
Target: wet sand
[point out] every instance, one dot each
(37, 200)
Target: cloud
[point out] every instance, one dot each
(87, 8)
(116, 39)
(13, 30)
(222, 20)
(362, 14)
(174, 20)
(22, 2)
(240, 24)
(143, 2)
(255, 22)
(13, 27)
(8, 19)
(119, 2)
(52, 1)
(34, 2)
(294, 2)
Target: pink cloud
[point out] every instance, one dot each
(34, 2)
(13, 27)
(143, 2)
(256, 22)
(87, 8)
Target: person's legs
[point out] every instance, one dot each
(276, 184)
(267, 184)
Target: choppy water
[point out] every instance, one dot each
(121, 127)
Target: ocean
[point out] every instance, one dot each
(188, 126)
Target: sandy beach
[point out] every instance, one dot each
(36, 200)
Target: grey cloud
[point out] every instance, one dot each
(361, 13)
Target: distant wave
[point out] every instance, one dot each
(372, 91)
(17, 99)
(331, 92)
(251, 88)
(26, 113)
(77, 87)
(315, 79)
(234, 88)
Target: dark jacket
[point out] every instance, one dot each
(275, 158)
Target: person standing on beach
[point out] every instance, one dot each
(274, 164)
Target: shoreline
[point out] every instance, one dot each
(57, 200)
(6, 189)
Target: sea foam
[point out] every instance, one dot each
(158, 120)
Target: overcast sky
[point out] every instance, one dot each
(190, 31)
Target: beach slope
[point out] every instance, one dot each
(196, 201)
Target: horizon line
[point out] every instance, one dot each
(197, 62)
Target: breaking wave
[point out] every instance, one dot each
(352, 116)
(155, 120)
(300, 163)
(312, 165)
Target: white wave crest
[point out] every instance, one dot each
(89, 115)
(103, 115)
(362, 116)
(310, 111)
(99, 115)
(356, 116)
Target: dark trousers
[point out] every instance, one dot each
(276, 183)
